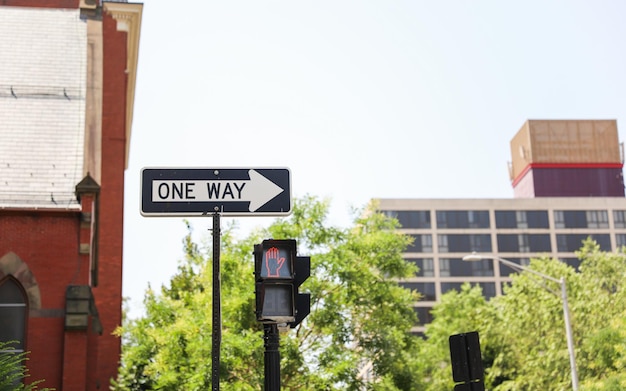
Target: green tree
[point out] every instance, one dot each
(531, 330)
(13, 370)
(359, 314)
(458, 312)
(522, 333)
(528, 330)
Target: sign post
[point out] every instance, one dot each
(216, 332)
(194, 192)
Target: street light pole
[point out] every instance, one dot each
(570, 337)
(566, 314)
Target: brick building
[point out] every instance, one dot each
(67, 80)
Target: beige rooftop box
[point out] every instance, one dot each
(565, 142)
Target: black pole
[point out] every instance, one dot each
(217, 311)
(272, 357)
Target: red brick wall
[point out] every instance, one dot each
(47, 243)
(108, 294)
(45, 343)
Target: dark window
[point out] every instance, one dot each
(620, 240)
(506, 219)
(425, 266)
(426, 289)
(411, 218)
(539, 243)
(581, 219)
(508, 243)
(524, 243)
(462, 219)
(573, 242)
(559, 220)
(506, 271)
(464, 243)
(597, 219)
(423, 315)
(575, 219)
(449, 286)
(537, 219)
(456, 267)
(13, 312)
(570, 219)
(522, 219)
(489, 288)
(619, 218)
(421, 244)
(573, 262)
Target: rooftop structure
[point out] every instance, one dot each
(567, 158)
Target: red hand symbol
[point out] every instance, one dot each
(273, 263)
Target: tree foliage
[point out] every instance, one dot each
(13, 372)
(359, 314)
(361, 318)
(522, 333)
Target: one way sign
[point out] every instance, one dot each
(228, 191)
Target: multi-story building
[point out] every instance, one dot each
(568, 185)
(66, 104)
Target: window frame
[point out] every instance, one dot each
(24, 303)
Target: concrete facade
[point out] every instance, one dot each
(449, 229)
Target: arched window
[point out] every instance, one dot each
(13, 313)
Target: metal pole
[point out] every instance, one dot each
(272, 357)
(568, 323)
(570, 337)
(217, 310)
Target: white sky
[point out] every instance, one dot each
(360, 99)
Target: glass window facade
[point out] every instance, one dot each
(426, 266)
(597, 219)
(619, 218)
(581, 219)
(506, 271)
(522, 219)
(516, 230)
(426, 289)
(573, 242)
(423, 315)
(13, 312)
(573, 262)
(524, 243)
(457, 267)
(421, 244)
(462, 219)
(620, 240)
(411, 218)
(464, 243)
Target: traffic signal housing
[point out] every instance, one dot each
(302, 268)
(278, 274)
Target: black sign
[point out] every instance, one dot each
(228, 191)
(467, 366)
